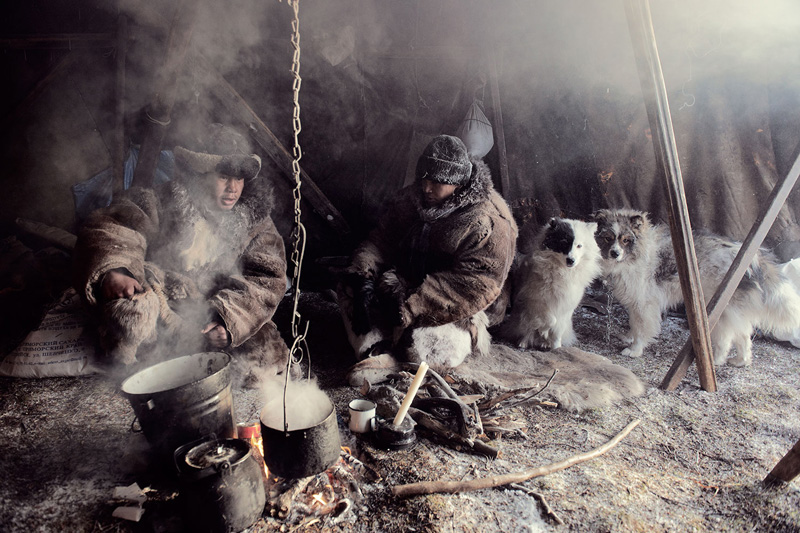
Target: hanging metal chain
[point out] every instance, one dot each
(299, 346)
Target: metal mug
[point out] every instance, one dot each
(362, 416)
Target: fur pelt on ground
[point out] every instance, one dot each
(639, 263)
(584, 380)
(548, 284)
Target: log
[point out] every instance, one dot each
(452, 487)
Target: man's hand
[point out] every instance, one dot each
(117, 285)
(216, 335)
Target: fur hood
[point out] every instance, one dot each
(477, 189)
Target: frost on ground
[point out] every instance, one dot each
(694, 463)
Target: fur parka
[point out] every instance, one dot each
(452, 258)
(197, 261)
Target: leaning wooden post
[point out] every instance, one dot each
(787, 468)
(499, 132)
(159, 111)
(655, 94)
(118, 151)
(737, 270)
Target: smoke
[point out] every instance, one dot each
(306, 404)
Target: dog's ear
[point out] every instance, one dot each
(600, 217)
(637, 221)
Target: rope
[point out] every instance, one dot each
(299, 346)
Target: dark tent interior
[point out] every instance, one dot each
(93, 87)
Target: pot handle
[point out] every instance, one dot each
(134, 429)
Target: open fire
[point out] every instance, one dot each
(326, 497)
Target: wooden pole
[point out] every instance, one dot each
(499, 133)
(158, 113)
(655, 94)
(239, 110)
(119, 108)
(737, 269)
(63, 65)
(63, 41)
(787, 468)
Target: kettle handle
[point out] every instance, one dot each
(182, 450)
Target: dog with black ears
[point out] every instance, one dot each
(549, 282)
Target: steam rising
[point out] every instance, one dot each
(306, 404)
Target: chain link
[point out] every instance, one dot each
(299, 346)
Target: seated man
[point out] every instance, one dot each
(193, 264)
(419, 285)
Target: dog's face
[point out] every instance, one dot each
(569, 238)
(617, 232)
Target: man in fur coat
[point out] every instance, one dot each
(190, 265)
(418, 287)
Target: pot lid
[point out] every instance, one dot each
(214, 453)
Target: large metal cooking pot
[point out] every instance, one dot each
(183, 399)
(301, 452)
(221, 489)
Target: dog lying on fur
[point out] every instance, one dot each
(639, 263)
(549, 282)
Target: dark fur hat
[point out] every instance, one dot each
(240, 166)
(218, 148)
(445, 160)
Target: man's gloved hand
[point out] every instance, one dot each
(216, 335)
(393, 296)
(363, 296)
(118, 283)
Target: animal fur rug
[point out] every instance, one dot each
(584, 380)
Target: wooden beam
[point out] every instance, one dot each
(60, 68)
(120, 148)
(63, 41)
(787, 468)
(238, 108)
(655, 94)
(737, 269)
(499, 132)
(159, 112)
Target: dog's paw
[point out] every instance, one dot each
(740, 361)
(632, 352)
(626, 337)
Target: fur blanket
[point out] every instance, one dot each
(584, 380)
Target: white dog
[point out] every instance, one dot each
(639, 263)
(549, 282)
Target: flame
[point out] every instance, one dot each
(346, 450)
(319, 499)
(258, 443)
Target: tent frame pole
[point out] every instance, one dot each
(654, 89)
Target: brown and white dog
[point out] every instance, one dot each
(639, 264)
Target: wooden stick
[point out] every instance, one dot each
(437, 428)
(451, 487)
(540, 498)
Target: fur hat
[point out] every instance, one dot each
(445, 160)
(236, 165)
(221, 149)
